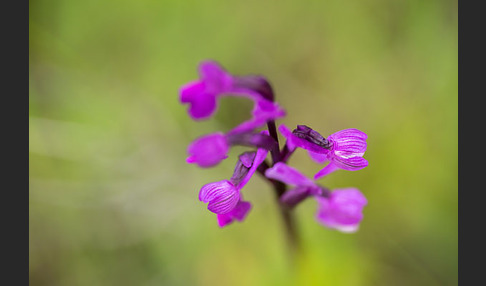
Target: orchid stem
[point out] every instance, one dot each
(280, 188)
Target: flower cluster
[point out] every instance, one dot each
(339, 209)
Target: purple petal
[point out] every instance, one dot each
(326, 171)
(254, 85)
(288, 175)
(242, 167)
(294, 196)
(241, 210)
(349, 140)
(289, 136)
(349, 161)
(266, 110)
(319, 158)
(246, 126)
(224, 220)
(208, 150)
(222, 196)
(294, 141)
(250, 94)
(342, 210)
(201, 103)
(247, 158)
(217, 80)
(238, 213)
(259, 158)
(191, 90)
(263, 111)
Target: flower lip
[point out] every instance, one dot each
(239, 213)
(222, 196)
(342, 210)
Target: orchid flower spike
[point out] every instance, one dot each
(340, 209)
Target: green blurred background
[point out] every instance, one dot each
(112, 201)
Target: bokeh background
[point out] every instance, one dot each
(112, 201)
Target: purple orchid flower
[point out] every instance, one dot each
(209, 150)
(224, 197)
(343, 149)
(339, 209)
(343, 210)
(202, 95)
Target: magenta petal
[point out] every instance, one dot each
(238, 213)
(349, 162)
(208, 150)
(343, 210)
(319, 158)
(241, 210)
(259, 158)
(191, 90)
(287, 133)
(247, 158)
(217, 80)
(202, 104)
(224, 220)
(263, 111)
(294, 196)
(266, 110)
(222, 196)
(326, 171)
(349, 140)
(286, 174)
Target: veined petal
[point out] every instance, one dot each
(350, 162)
(349, 140)
(286, 174)
(222, 196)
